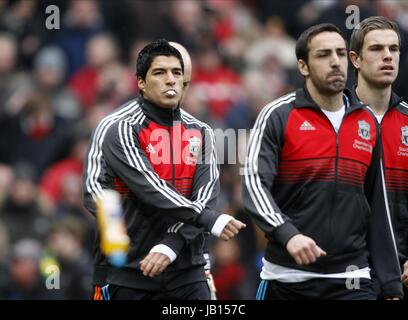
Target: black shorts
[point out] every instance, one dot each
(192, 291)
(316, 289)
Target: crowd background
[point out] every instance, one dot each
(55, 86)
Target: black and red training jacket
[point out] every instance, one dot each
(301, 176)
(163, 162)
(394, 138)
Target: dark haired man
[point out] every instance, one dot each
(375, 53)
(313, 183)
(163, 163)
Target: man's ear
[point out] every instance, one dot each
(141, 84)
(355, 59)
(303, 67)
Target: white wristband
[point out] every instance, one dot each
(162, 248)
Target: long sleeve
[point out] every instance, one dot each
(260, 170)
(381, 240)
(123, 154)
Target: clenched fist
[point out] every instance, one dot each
(231, 229)
(303, 249)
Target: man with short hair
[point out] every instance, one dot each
(375, 54)
(313, 183)
(163, 162)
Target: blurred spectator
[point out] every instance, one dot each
(234, 28)
(71, 205)
(184, 22)
(216, 84)
(312, 10)
(26, 282)
(52, 182)
(21, 19)
(50, 68)
(15, 86)
(36, 135)
(82, 20)
(4, 252)
(22, 212)
(337, 14)
(103, 78)
(275, 42)
(286, 10)
(65, 242)
(6, 178)
(130, 20)
(95, 114)
(227, 270)
(261, 84)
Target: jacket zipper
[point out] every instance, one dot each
(335, 166)
(173, 170)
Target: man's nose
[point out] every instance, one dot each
(387, 54)
(170, 79)
(335, 61)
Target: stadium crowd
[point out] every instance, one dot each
(56, 85)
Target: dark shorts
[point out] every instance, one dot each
(193, 291)
(316, 289)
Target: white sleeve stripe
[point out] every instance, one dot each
(253, 160)
(164, 185)
(252, 179)
(403, 103)
(204, 196)
(214, 173)
(152, 177)
(99, 156)
(178, 227)
(388, 213)
(175, 227)
(139, 166)
(95, 153)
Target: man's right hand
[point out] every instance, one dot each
(303, 249)
(405, 274)
(231, 229)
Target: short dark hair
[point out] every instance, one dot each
(370, 24)
(154, 49)
(302, 44)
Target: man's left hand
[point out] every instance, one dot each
(154, 264)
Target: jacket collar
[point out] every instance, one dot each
(303, 99)
(161, 116)
(395, 99)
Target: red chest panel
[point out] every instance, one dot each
(394, 135)
(173, 153)
(311, 144)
